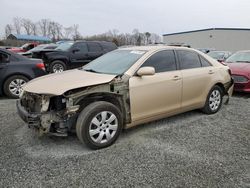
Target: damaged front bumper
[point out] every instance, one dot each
(32, 119)
(43, 121)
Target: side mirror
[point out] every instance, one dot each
(145, 71)
(75, 50)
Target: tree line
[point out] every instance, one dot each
(44, 27)
(56, 31)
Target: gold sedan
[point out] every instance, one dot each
(124, 88)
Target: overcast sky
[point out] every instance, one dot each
(158, 16)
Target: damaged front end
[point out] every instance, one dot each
(57, 115)
(48, 114)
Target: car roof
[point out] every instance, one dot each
(155, 48)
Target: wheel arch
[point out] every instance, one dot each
(221, 85)
(114, 99)
(62, 59)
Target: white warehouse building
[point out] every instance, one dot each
(229, 39)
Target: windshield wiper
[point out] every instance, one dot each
(91, 70)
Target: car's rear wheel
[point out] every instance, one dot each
(214, 100)
(13, 86)
(57, 67)
(99, 125)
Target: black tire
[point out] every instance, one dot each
(57, 63)
(6, 86)
(85, 119)
(207, 109)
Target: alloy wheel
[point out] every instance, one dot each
(57, 68)
(103, 127)
(215, 100)
(16, 86)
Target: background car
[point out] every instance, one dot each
(239, 64)
(24, 48)
(71, 55)
(220, 56)
(39, 51)
(122, 89)
(16, 71)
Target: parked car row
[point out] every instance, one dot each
(16, 69)
(70, 55)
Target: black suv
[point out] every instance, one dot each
(70, 55)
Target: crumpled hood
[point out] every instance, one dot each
(59, 83)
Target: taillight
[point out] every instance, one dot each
(40, 66)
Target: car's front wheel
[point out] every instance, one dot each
(13, 86)
(99, 125)
(57, 66)
(214, 100)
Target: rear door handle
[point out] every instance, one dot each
(176, 78)
(210, 72)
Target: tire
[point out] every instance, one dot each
(214, 100)
(13, 86)
(92, 118)
(57, 66)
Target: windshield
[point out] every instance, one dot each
(116, 62)
(64, 46)
(216, 55)
(239, 57)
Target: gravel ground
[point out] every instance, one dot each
(187, 150)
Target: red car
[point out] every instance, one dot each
(24, 48)
(239, 64)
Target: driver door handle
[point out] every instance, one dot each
(210, 72)
(177, 78)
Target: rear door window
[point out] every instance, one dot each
(204, 62)
(82, 46)
(188, 59)
(108, 46)
(94, 47)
